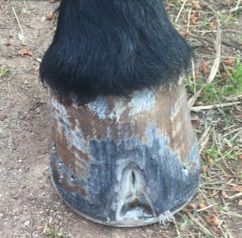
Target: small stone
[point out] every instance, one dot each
(37, 110)
(39, 227)
(240, 203)
(27, 223)
(43, 19)
(3, 116)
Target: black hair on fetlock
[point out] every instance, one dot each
(113, 47)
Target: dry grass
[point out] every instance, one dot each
(215, 92)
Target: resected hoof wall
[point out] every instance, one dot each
(125, 161)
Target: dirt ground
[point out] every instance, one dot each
(29, 206)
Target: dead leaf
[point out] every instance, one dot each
(203, 68)
(224, 195)
(205, 169)
(25, 52)
(191, 206)
(212, 25)
(201, 206)
(184, 33)
(229, 2)
(196, 5)
(237, 188)
(229, 61)
(204, 5)
(194, 18)
(224, 77)
(212, 220)
(50, 16)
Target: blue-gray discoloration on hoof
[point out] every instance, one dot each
(165, 183)
(122, 168)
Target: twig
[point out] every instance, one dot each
(193, 70)
(238, 3)
(233, 214)
(214, 69)
(204, 196)
(237, 7)
(205, 138)
(229, 42)
(201, 226)
(208, 107)
(206, 208)
(232, 132)
(216, 64)
(215, 189)
(180, 12)
(189, 20)
(194, 98)
(236, 196)
(236, 135)
(21, 34)
(176, 226)
(234, 98)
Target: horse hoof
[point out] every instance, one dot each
(125, 161)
